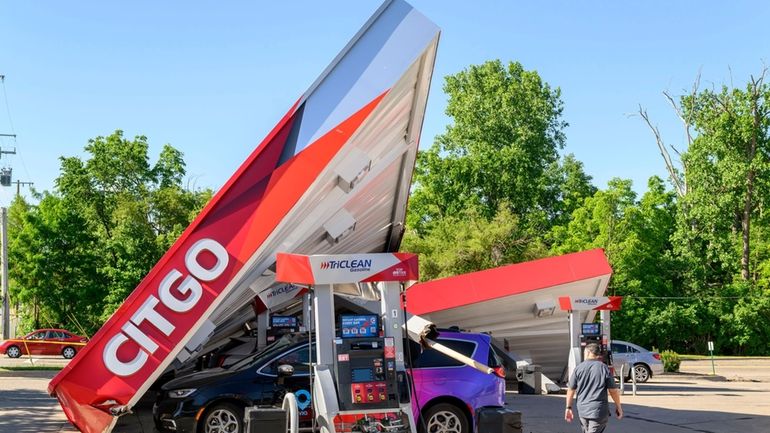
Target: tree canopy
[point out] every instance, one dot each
(692, 261)
(83, 248)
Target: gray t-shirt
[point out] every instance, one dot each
(592, 379)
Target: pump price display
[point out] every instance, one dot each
(283, 322)
(359, 326)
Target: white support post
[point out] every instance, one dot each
(307, 316)
(393, 317)
(574, 343)
(263, 321)
(323, 310)
(604, 315)
(394, 324)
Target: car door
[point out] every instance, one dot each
(35, 342)
(53, 343)
(437, 375)
(298, 383)
(620, 358)
(633, 355)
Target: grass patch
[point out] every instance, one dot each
(716, 357)
(32, 368)
(695, 357)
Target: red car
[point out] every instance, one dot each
(44, 342)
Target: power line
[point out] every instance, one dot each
(696, 297)
(7, 106)
(6, 172)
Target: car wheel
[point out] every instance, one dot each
(642, 373)
(223, 418)
(68, 352)
(445, 418)
(13, 352)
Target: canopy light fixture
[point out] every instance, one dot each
(339, 226)
(544, 308)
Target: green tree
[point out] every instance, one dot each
(720, 245)
(569, 187)
(86, 246)
(55, 263)
(600, 223)
(469, 242)
(636, 236)
(506, 132)
(727, 172)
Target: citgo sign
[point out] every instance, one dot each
(190, 288)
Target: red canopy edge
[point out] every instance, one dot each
(466, 289)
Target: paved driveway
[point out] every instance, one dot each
(681, 403)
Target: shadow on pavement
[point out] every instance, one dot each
(140, 421)
(545, 414)
(29, 411)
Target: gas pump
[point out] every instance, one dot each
(359, 380)
(592, 333)
(582, 334)
(366, 366)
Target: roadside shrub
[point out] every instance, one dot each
(670, 360)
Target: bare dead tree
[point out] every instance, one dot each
(678, 177)
(757, 113)
(678, 180)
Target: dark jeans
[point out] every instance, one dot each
(593, 425)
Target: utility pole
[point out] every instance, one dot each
(6, 301)
(5, 180)
(19, 184)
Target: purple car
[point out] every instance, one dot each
(448, 393)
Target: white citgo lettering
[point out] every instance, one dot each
(147, 312)
(195, 268)
(116, 366)
(140, 337)
(189, 285)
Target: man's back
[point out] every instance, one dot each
(592, 379)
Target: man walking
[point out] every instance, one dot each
(592, 381)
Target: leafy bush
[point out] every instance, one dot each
(670, 360)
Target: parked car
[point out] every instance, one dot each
(45, 342)
(213, 400)
(642, 362)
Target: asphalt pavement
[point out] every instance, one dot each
(736, 400)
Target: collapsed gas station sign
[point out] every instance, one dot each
(332, 175)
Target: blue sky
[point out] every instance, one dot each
(212, 78)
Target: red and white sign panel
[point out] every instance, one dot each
(572, 303)
(275, 296)
(217, 251)
(352, 268)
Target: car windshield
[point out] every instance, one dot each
(269, 351)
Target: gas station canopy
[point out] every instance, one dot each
(332, 176)
(517, 304)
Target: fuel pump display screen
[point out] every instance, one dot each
(359, 375)
(591, 329)
(283, 322)
(359, 326)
